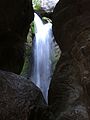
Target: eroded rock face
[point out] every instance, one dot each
(69, 88)
(18, 97)
(69, 18)
(15, 18)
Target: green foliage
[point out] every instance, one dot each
(36, 4)
(27, 63)
(32, 28)
(46, 20)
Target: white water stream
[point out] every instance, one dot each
(42, 62)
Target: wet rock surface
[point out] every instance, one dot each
(18, 97)
(69, 19)
(69, 88)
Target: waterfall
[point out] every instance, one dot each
(42, 51)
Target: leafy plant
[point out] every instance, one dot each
(36, 4)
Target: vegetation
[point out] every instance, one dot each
(28, 62)
(36, 4)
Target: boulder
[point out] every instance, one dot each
(18, 97)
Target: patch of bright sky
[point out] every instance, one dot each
(48, 5)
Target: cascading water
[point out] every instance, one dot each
(42, 62)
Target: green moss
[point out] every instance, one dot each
(27, 64)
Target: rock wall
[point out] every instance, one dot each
(15, 18)
(69, 89)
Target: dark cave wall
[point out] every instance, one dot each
(69, 89)
(15, 19)
(70, 16)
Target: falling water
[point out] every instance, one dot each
(42, 62)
